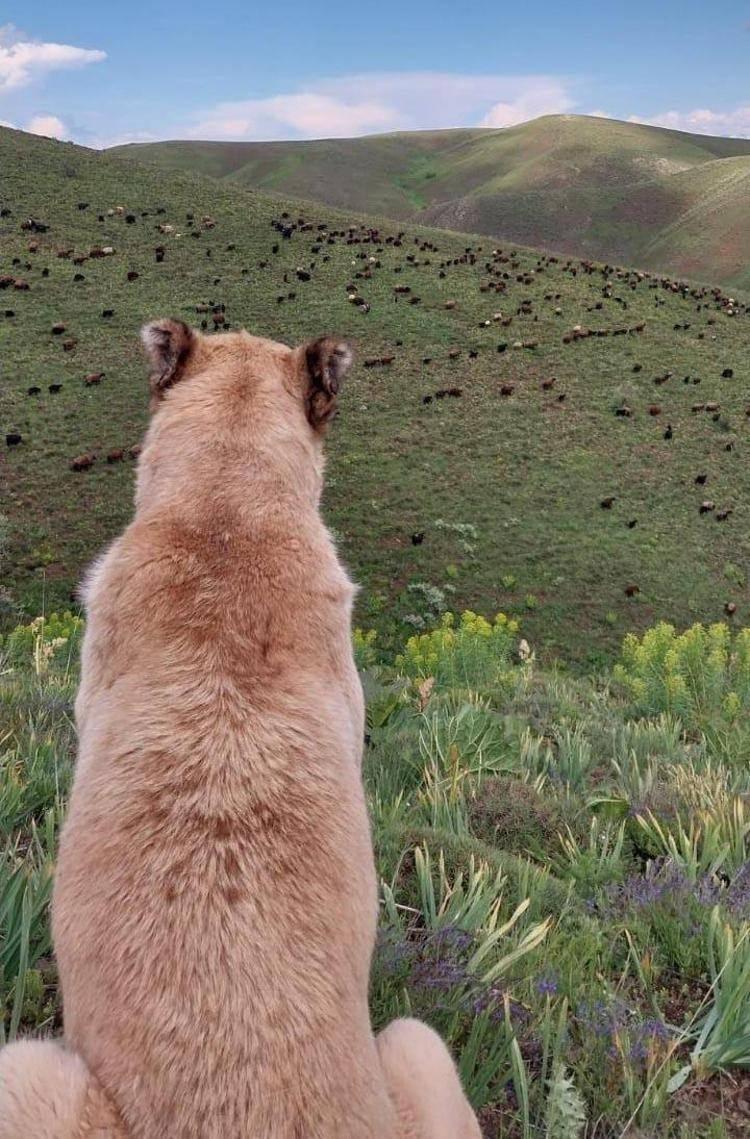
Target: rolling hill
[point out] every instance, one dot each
(554, 438)
(592, 187)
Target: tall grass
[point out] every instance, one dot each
(565, 881)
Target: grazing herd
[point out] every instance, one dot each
(529, 303)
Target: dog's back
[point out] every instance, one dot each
(215, 901)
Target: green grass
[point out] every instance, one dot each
(540, 904)
(639, 195)
(505, 490)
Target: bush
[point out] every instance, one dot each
(516, 817)
(45, 643)
(472, 654)
(702, 675)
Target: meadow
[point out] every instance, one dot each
(521, 432)
(563, 864)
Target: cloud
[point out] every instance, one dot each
(546, 99)
(22, 60)
(735, 122)
(284, 116)
(386, 101)
(49, 126)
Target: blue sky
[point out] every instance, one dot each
(102, 73)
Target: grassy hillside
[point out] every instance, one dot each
(502, 459)
(586, 186)
(564, 868)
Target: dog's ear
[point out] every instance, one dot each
(327, 362)
(169, 344)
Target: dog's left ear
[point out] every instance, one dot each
(169, 344)
(327, 362)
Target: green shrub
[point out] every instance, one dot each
(45, 644)
(702, 675)
(473, 653)
(516, 816)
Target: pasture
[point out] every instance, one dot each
(521, 432)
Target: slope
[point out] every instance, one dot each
(482, 429)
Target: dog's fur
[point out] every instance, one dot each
(215, 901)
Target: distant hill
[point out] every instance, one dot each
(596, 187)
(490, 453)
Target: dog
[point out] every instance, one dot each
(215, 901)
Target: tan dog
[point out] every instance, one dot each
(215, 902)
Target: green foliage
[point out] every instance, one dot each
(50, 643)
(701, 676)
(564, 887)
(566, 1111)
(519, 816)
(25, 892)
(471, 653)
(722, 1032)
(365, 653)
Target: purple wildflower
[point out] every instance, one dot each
(547, 986)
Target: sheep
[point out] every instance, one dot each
(82, 462)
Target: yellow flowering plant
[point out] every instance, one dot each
(701, 676)
(469, 652)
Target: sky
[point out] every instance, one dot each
(103, 73)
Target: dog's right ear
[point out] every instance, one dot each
(169, 344)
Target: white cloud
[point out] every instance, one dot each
(387, 101)
(22, 60)
(304, 115)
(549, 98)
(735, 122)
(49, 126)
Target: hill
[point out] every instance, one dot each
(557, 439)
(593, 187)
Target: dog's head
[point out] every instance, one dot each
(235, 390)
(313, 372)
